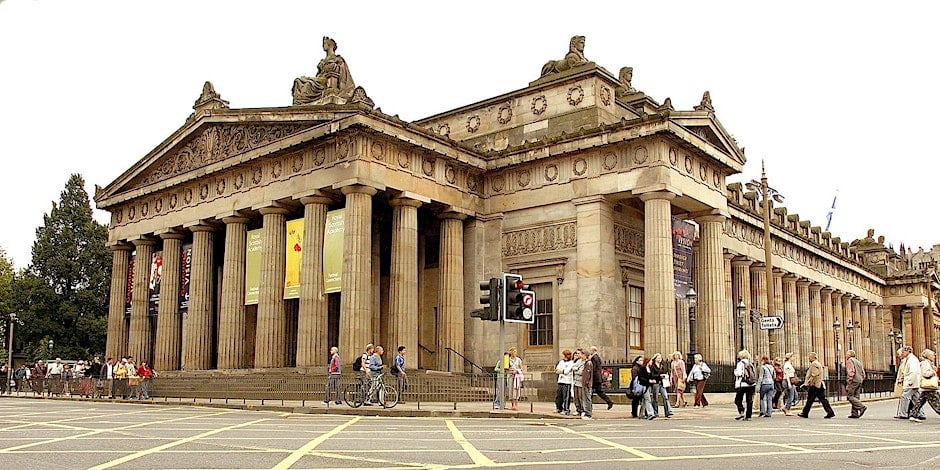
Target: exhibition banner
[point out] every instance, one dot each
(333, 251)
(252, 266)
(683, 233)
(186, 270)
(156, 272)
(129, 286)
(293, 255)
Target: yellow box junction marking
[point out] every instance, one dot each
(308, 447)
(475, 455)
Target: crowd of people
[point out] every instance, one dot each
(86, 379)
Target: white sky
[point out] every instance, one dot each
(832, 95)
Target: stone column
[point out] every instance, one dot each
(403, 276)
(312, 318)
(659, 323)
(741, 276)
(804, 321)
(232, 317)
(838, 313)
(117, 330)
(791, 319)
(918, 330)
(355, 319)
(198, 329)
(864, 334)
(816, 320)
(729, 320)
(778, 335)
(761, 341)
(710, 312)
(138, 341)
(825, 303)
(451, 323)
(169, 324)
(271, 335)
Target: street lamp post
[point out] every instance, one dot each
(768, 196)
(892, 366)
(691, 295)
(835, 331)
(741, 308)
(850, 328)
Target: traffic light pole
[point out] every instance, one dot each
(501, 375)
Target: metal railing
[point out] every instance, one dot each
(473, 365)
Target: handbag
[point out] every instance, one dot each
(637, 388)
(795, 380)
(929, 384)
(665, 382)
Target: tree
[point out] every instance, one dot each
(64, 293)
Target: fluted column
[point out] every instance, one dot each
(778, 343)
(232, 317)
(660, 309)
(355, 319)
(271, 335)
(741, 276)
(729, 320)
(759, 280)
(804, 321)
(848, 315)
(198, 329)
(138, 341)
(825, 304)
(312, 318)
(451, 324)
(710, 311)
(918, 322)
(403, 276)
(791, 319)
(864, 337)
(117, 330)
(169, 322)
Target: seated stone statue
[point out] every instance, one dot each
(333, 78)
(573, 58)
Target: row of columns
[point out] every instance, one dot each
(191, 342)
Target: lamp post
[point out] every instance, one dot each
(13, 320)
(691, 296)
(836, 325)
(768, 196)
(891, 354)
(741, 308)
(850, 328)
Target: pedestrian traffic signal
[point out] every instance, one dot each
(519, 300)
(490, 299)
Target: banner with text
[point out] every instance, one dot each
(295, 243)
(333, 251)
(252, 266)
(156, 271)
(683, 233)
(129, 287)
(186, 270)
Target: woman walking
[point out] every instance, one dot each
(677, 377)
(765, 380)
(928, 386)
(744, 381)
(697, 377)
(656, 389)
(563, 393)
(636, 372)
(577, 380)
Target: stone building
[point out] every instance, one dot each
(575, 181)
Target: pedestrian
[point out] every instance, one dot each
(697, 377)
(146, 374)
(598, 379)
(909, 370)
(361, 367)
(765, 383)
(515, 372)
(375, 370)
(928, 385)
(744, 380)
(816, 389)
(677, 377)
(334, 370)
(855, 375)
(790, 380)
(120, 379)
(657, 389)
(577, 380)
(637, 398)
(4, 379)
(563, 390)
(587, 383)
(398, 370)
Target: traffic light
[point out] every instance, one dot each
(519, 300)
(490, 299)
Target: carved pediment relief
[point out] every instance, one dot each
(213, 144)
(709, 134)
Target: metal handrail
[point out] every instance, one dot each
(473, 365)
(425, 348)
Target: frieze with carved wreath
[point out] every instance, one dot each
(542, 239)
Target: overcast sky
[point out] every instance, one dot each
(834, 96)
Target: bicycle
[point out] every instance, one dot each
(355, 395)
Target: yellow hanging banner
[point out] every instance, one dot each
(293, 256)
(333, 251)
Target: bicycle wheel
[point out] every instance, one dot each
(388, 396)
(352, 395)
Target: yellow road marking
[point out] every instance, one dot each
(27, 424)
(747, 441)
(475, 455)
(860, 436)
(153, 450)
(297, 454)
(638, 453)
(331, 455)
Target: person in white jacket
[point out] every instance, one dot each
(565, 379)
(910, 383)
(929, 394)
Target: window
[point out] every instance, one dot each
(540, 332)
(635, 313)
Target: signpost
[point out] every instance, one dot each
(774, 322)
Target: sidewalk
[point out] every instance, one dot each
(721, 404)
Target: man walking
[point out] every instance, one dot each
(398, 370)
(909, 378)
(375, 368)
(855, 375)
(817, 390)
(596, 378)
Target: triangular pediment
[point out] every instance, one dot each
(705, 126)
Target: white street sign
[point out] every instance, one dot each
(771, 323)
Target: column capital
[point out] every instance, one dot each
(710, 218)
(307, 200)
(804, 282)
(667, 195)
(827, 290)
(579, 201)
(790, 277)
(779, 273)
(758, 266)
(144, 241)
(358, 189)
(452, 215)
(402, 201)
(235, 220)
(274, 209)
(201, 228)
(172, 235)
(121, 246)
(741, 261)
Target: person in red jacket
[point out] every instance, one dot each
(146, 375)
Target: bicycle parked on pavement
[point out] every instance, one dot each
(356, 393)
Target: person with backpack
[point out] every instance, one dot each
(780, 387)
(360, 366)
(744, 380)
(816, 388)
(855, 375)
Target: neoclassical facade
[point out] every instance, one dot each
(575, 181)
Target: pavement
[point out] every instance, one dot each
(721, 405)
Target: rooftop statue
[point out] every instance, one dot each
(626, 77)
(706, 104)
(332, 84)
(573, 58)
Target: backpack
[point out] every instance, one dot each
(749, 375)
(357, 364)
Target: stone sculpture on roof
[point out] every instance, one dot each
(573, 58)
(706, 104)
(626, 77)
(333, 83)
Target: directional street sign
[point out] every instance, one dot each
(771, 323)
